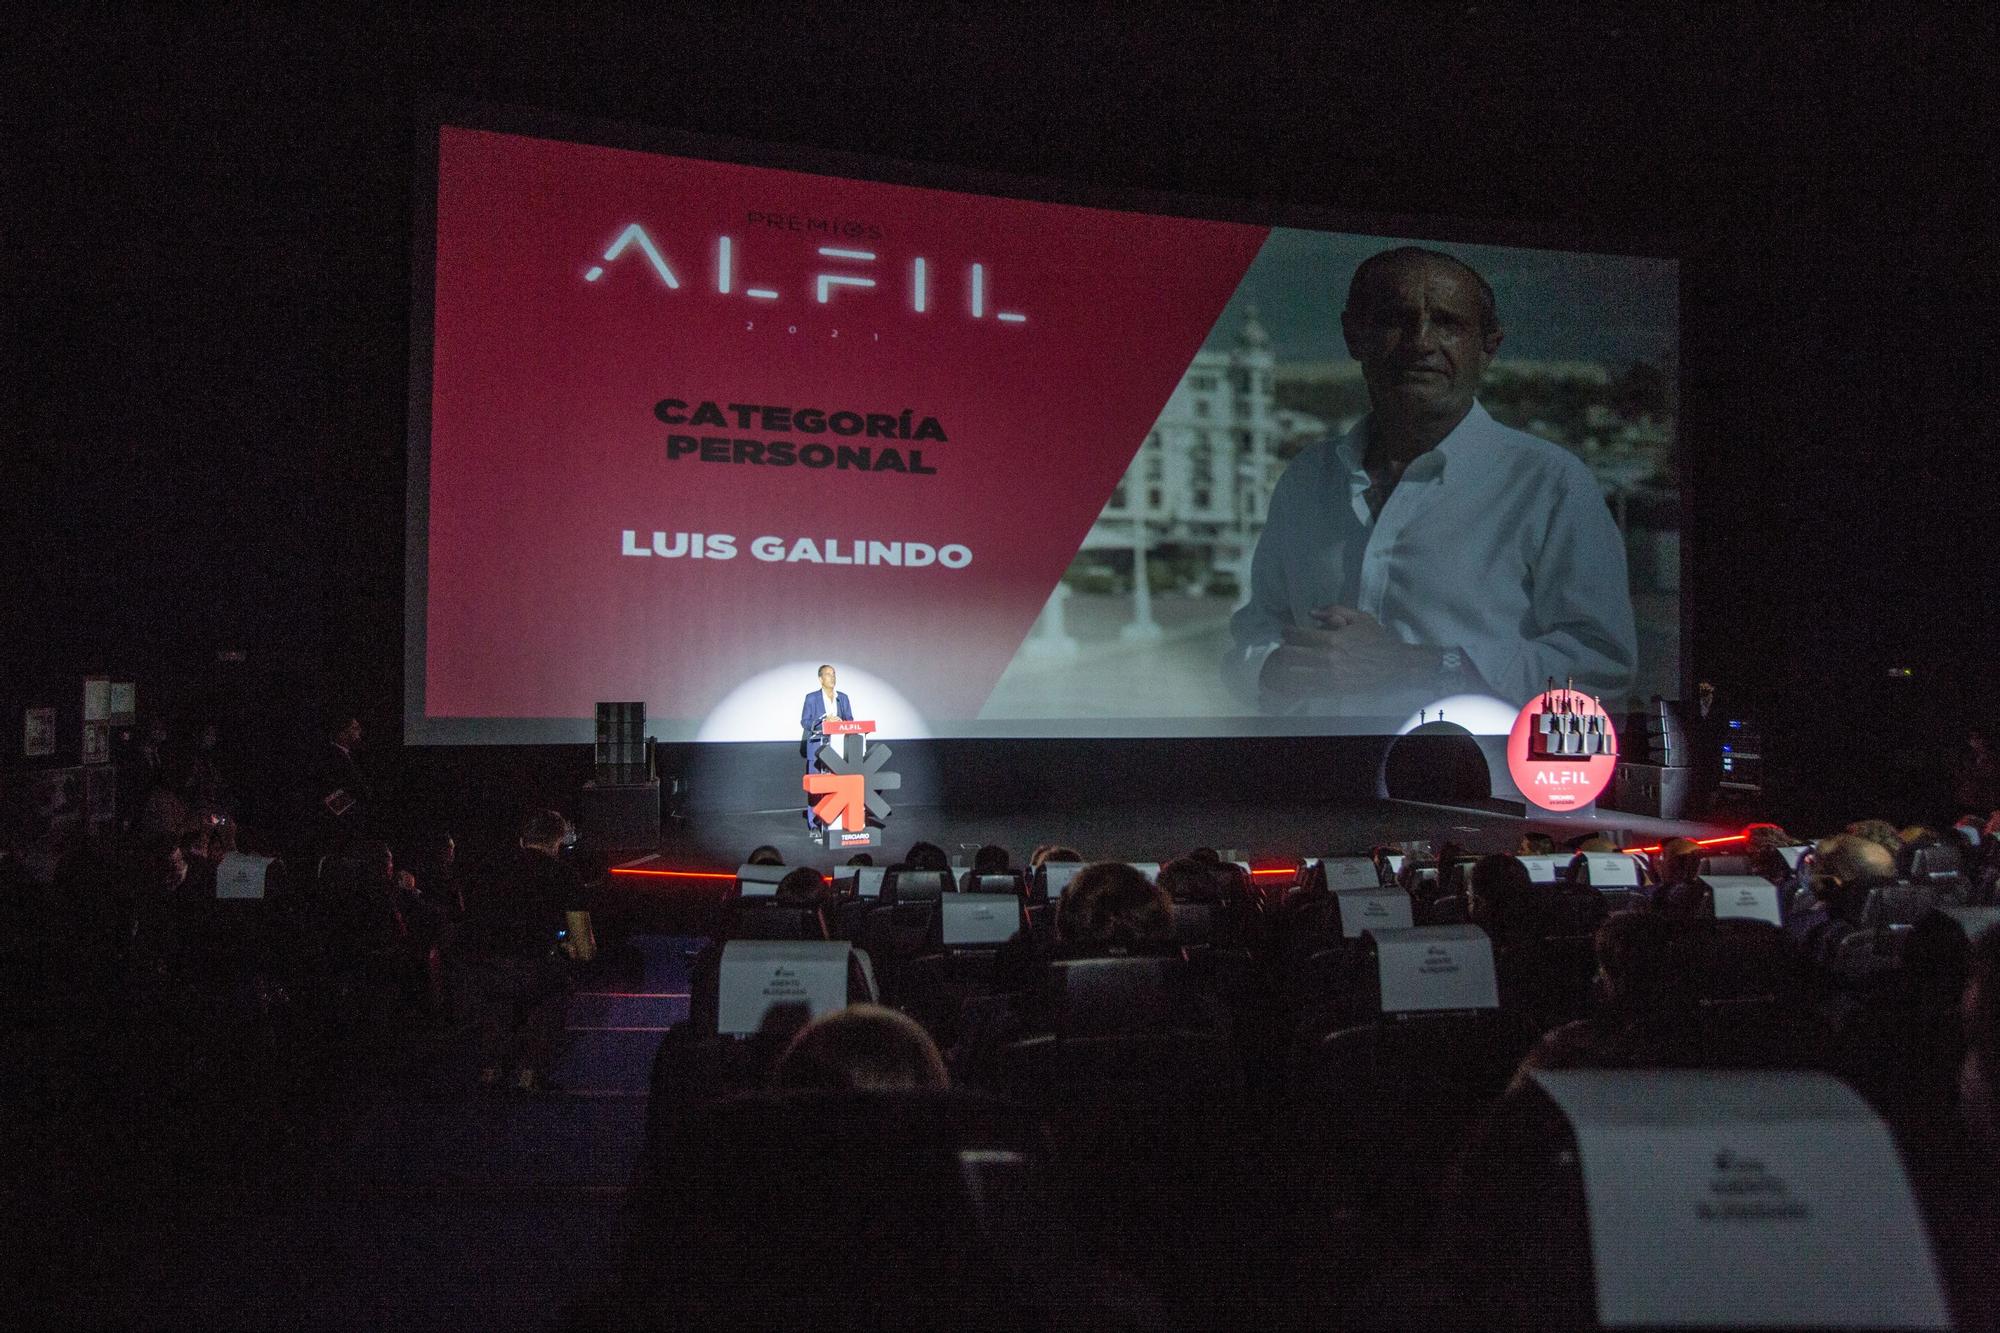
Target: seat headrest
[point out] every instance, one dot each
(1897, 905)
(1056, 877)
(759, 881)
(1195, 923)
(1974, 921)
(1434, 968)
(1750, 897)
(1376, 908)
(771, 920)
(816, 1176)
(1729, 1177)
(1608, 870)
(916, 886)
(800, 979)
(1350, 872)
(1106, 996)
(979, 920)
(1936, 861)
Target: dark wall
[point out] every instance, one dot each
(214, 227)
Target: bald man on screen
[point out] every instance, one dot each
(1430, 551)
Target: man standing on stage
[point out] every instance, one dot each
(1430, 551)
(821, 703)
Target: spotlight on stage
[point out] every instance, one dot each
(766, 707)
(1478, 714)
(1441, 755)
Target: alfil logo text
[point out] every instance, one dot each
(914, 285)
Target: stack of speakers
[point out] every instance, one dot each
(1653, 776)
(621, 804)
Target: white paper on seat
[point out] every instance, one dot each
(1974, 921)
(1745, 1199)
(1744, 896)
(1150, 869)
(241, 875)
(1373, 908)
(868, 881)
(1059, 874)
(980, 918)
(759, 881)
(1350, 872)
(1396, 860)
(870, 992)
(1435, 967)
(1792, 855)
(1612, 870)
(1543, 869)
(760, 975)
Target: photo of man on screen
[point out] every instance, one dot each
(1430, 551)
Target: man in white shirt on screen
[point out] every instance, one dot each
(1430, 551)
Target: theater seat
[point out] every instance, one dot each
(767, 920)
(904, 924)
(1941, 869)
(810, 1210)
(1196, 924)
(1374, 1114)
(1101, 997)
(1153, 1159)
(1002, 881)
(1897, 906)
(1516, 1232)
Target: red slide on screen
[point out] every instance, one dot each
(984, 368)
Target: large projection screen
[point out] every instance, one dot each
(686, 425)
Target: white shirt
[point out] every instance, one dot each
(1495, 542)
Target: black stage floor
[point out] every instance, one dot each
(721, 840)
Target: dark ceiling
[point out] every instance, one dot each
(212, 224)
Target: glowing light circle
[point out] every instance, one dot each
(1479, 714)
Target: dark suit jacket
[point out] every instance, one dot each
(813, 714)
(337, 771)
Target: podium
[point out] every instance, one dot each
(849, 788)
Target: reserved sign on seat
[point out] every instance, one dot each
(1748, 897)
(1745, 1199)
(1350, 872)
(1373, 908)
(241, 875)
(1543, 869)
(1611, 870)
(761, 975)
(980, 919)
(1435, 967)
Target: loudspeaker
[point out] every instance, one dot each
(624, 755)
(1648, 789)
(619, 816)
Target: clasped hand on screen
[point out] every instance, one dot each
(1346, 651)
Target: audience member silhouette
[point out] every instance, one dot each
(864, 1047)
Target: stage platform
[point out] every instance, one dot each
(677, 886)
(718, 841)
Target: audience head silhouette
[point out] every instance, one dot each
(862, 1048)
(1112, 908)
